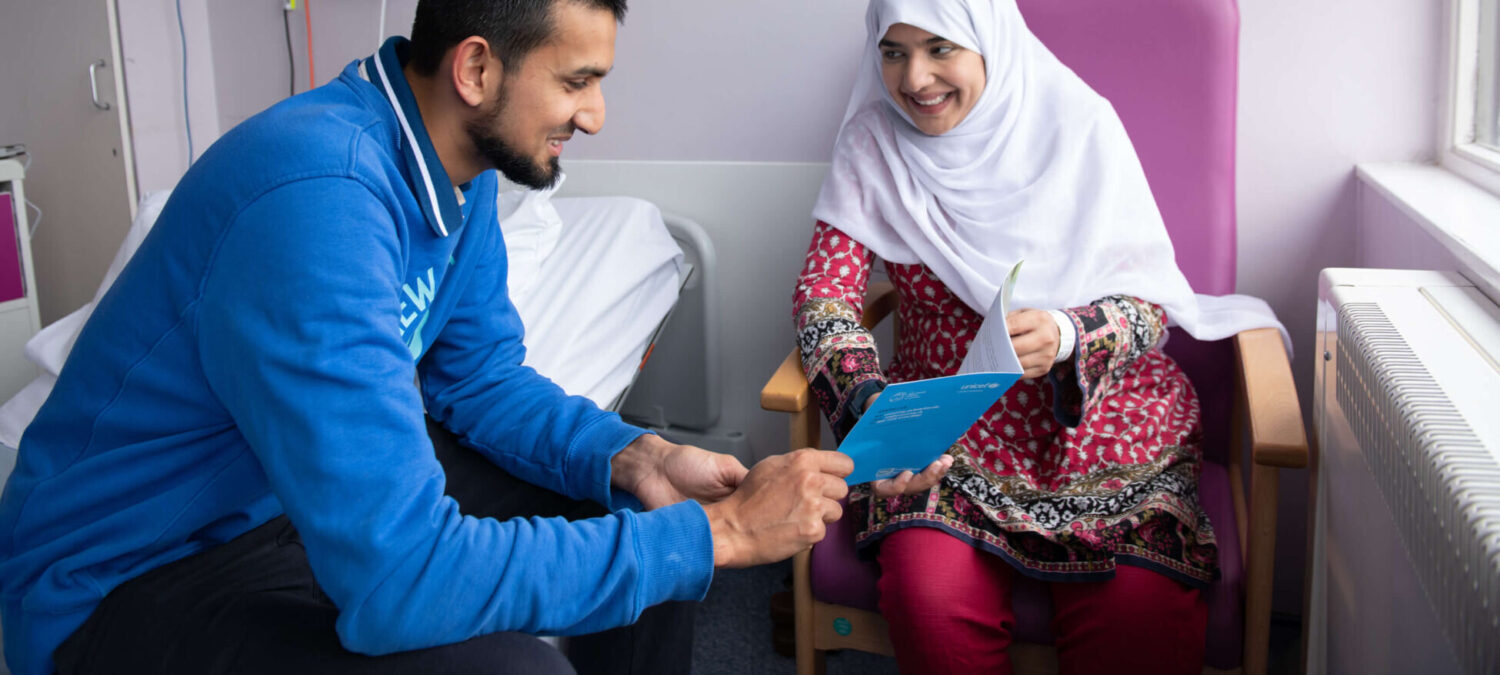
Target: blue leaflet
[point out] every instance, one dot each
(914, 423)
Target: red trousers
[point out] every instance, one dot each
(949, 608)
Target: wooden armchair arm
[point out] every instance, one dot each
(1267, 406)
(787, 390)
(1277, 437)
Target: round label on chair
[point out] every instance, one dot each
(842, 626)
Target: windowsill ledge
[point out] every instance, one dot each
(1460, 215)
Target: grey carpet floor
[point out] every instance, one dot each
(733, 631)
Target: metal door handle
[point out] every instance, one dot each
(94, 84)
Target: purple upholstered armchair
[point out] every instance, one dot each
(1169, 68)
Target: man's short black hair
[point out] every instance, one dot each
(512, 27)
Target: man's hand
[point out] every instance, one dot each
(783, 506)
(660, 473)
(1036, 338)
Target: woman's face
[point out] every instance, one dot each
(934, 80)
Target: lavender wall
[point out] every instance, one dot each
(1389, 238)
(1322, 86)
(692, 80)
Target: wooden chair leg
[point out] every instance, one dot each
(810, 661)
(1261, 558)
(806, 428)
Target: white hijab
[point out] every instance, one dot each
(1041, 169)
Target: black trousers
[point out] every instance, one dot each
(252, 606)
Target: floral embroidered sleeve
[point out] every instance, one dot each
(1112, 333)
(838, 354)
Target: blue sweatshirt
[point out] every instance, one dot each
(256, 357)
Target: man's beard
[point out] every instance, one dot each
(515, 165)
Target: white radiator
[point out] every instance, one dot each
(1405, 567)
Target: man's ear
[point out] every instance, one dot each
(474, 71)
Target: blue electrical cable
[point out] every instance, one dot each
(187, 117)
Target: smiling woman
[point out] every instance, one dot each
(934, 79)
(966, 147)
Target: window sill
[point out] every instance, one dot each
(1460, 215)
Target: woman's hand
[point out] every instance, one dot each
(1036, 338)
(908, 483)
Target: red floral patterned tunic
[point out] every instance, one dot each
(1065, 476)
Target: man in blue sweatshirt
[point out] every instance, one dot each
(235, 472)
